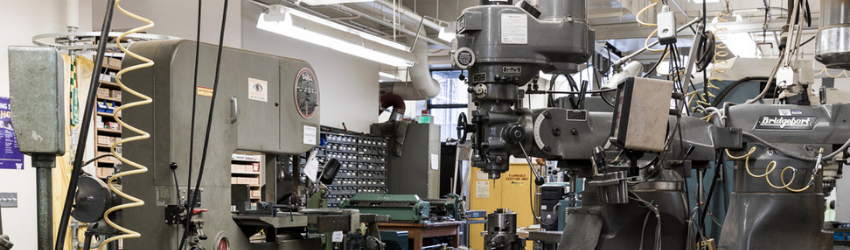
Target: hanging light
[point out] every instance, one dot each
(308, 28)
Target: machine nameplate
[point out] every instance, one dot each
(512, 70)
(514, 28)
(576, 115)
(479, 77)
(786, 122)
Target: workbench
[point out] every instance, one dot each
(419, 231)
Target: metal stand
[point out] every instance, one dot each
(44, 164)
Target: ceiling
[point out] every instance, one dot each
(614, 22)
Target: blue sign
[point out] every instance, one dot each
(10, 156)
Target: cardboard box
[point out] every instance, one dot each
(236, 168)
(113, 126)
(234, 180)
(105, 140)
(255, 193)
(99, 122)
(255, 181)
(104, 172)
(115, 63)
(105, 159)
(103, 93)
(243, 180)
(116, 93)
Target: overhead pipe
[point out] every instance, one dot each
(365, 15)
(408, 17)
(421, 86)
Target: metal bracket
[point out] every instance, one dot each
(8, 199)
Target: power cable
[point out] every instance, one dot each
(91, 99)
(194, 197)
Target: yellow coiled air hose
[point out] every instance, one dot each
(134, 202)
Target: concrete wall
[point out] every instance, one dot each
(22, 20)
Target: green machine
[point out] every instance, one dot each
(400, 207)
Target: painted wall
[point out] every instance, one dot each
(25, 19)
(348, 84)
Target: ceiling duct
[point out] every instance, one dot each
(421, 86)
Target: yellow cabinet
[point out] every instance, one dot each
(511, 191)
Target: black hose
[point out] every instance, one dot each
(729, 88)
(718, 164)
(194, 196)
(192, 129)
(661, 58)
(87, 241)
(91, 99)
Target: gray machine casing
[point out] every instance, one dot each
(37, 90)
(272, 127)
(766, 218)
(411, 173)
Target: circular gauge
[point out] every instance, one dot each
(306, 93)
(222, 244)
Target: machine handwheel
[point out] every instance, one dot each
(462, 127)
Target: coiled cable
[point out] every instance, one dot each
(134, 202)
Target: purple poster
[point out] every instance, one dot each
(10, 157)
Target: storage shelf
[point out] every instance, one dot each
(106, 114)
(246, 173)
(112, 68)
(109, 84)
(108, 131)
(109, 99)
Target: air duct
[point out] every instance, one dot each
(421, 86)
(384, 9)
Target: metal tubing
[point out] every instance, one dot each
(377, 20)
(44, 201)
(641, 50)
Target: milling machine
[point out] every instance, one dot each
(503, 47)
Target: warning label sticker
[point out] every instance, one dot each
(258, 90)
(514, 28)
(208, 92)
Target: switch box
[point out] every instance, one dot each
(640, 114)
(666, 26)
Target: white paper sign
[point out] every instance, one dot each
(312, 167)
(514, 28)
(482, 189)
(258, 90)
(337, 236)
(309, 135)
(435, 161)
(481, 175)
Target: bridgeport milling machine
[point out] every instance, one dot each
(269, 105)
(503, 47)
(799, 148)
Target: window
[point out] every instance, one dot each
(452, 100)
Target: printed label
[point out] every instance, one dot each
(258, 90)
(514, 28)
(786, 122)
(208, 92)
(309, 135)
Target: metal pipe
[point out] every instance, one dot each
(374, 19)
(406, 14)
(620, 62)
(680, 9)
(44, 199)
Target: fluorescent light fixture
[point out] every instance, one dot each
(329, 2)
(447, 36)
(741, 44)
(305, 27)
(387, 77)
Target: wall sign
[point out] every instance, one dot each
(10, 156)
